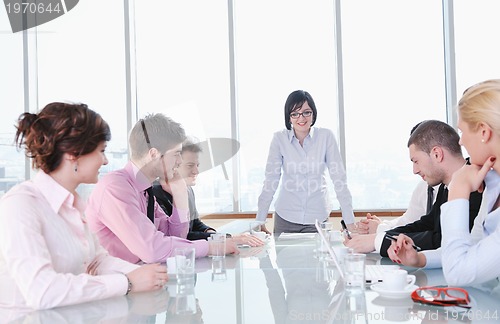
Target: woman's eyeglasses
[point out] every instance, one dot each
(307, 113)
(441, 296)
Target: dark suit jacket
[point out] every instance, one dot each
(197, 229)
(426, 232)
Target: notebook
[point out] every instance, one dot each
(373, 272)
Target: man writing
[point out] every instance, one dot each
(436, 154)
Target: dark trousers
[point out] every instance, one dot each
(284, 226)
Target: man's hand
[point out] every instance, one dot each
(368, 225)
(247, 238)
(361, 243)
(231, 247)
(178, 189)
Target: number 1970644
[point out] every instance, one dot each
(33, 8)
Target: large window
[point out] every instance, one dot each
(477, 48)
(393, 79)
(81, 59)
(223, 69)
(272, 60)
(12, 161)
(183, 72)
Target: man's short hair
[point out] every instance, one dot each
(155, 130)
(191, 146)
(431, 133)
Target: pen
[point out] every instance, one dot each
(392, 238)
(345, 229)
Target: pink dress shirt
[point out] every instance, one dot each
(117, 213)
(48, 256)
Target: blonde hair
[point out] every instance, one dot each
(481, 104)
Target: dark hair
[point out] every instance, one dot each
(155, 130)
(295, 101)
(189, 145)
(57, 129)
(430, 133)
(415, 127)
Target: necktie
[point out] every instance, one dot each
(430, 198)
(151, 204)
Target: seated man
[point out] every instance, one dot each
(421, 202)
(122, 210)
(436, 154)
(188, 170)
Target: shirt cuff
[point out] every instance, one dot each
(201, 248)
(383, 227)
(260, 217)
(378, 241)
(453, 218)
(348, 217)
(433, 259)
(117, 284)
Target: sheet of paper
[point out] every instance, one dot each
(297, 236)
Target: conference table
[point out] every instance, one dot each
(285, 281)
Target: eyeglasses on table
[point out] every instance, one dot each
(441, 296)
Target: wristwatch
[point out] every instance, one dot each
(129, 288)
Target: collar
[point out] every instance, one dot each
(291, 133)
(56, 194)
(492, 182)
(139, 179)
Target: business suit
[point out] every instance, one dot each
(426, 232)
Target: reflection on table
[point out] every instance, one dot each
(286, 281)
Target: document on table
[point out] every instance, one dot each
(296, 236)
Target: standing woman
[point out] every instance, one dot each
(299, 156)
(48, 256)
(465, 261)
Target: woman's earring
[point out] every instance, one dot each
(482, 140)
(76, 167)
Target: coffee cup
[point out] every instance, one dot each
(260, 235)
(398, 280)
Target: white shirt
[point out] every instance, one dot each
(433, 257)
(416, 209)
(48, 256)
(303, 195)
(465, 260)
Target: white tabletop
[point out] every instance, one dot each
(283, 282)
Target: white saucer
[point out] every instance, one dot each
(378, 287)
(404, 302)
